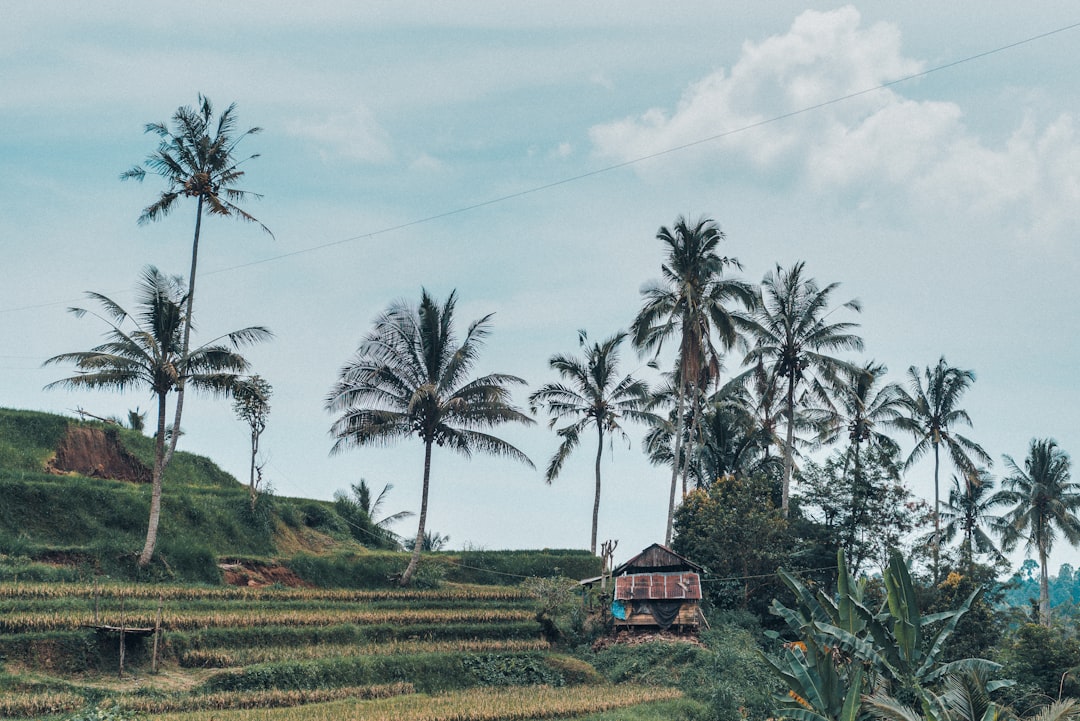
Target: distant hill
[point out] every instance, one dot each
(76, 498)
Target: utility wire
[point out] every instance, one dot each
(617, 166)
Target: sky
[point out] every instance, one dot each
(526, 155)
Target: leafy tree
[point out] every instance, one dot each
(867, 516)
(433, 541)
(1045, 503)
(736, 532)
(595, 396)
(690, 303)
(410, 377)
(1043, 660)
(150, 356)
(931, 414)
(792, 339)
(197, 159)
(251, 403)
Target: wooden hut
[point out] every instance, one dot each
(657, 589)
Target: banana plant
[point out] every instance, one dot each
(894, 647)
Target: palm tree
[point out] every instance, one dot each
(361, 510)
(150, 356)
(861, 407)
(969, 508)
(594, 395)
(1045, 502)
(932, 413)
(690, 303)
(197, 159)
(410, 377)
(792, 338)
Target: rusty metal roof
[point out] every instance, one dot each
(656, 559)
(658, 586)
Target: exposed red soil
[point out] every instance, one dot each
(631, 638)
(93, 452)
(256, 575)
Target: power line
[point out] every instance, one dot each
(616, 166)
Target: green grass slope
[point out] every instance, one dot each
(73, 527)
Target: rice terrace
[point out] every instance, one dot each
(591, 361)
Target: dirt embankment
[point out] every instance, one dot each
(96, 453)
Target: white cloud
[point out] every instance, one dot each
(355, 135)
(876, 145)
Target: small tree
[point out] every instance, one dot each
(251, 403)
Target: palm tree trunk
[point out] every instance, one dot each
(596, 500)
(1044, 587)
(789, 460)
(155, 494)
(695, 424)
(675, 464)
(937, 515)
(419, 544)
(181, 381)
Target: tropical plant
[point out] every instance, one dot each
(251, 404)
(845, 649)
(410, 377)
(197, 159)
(359, 511)
(792, 339)
(931, 413)
(968, 512)
(966, 696)
(691, 303)
(594, 395)
(1045, 503)
(150, 356)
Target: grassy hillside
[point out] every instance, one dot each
(74, 527)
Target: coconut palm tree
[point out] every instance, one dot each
(792, 338)
(931, 413)
(197, 158)
(1045, 503)
(594, 395)
(968, 512)
(150, 356)
(410, 377)
(861, 407)
(690, 303)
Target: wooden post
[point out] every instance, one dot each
(157, 635)
(121, 635)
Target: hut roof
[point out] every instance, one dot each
(658, 586)
(657, 559)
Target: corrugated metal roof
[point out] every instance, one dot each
(658, 586)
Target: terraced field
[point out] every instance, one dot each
(461, 652)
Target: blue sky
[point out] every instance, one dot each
(948, 204)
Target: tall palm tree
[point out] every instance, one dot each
(792, 338)
(861, 406)
(150, 356)
(1045, 503)
(968, 512)
(410, 377)
(931, 414)
(594, 395)
(197, 159)
(690, 303)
